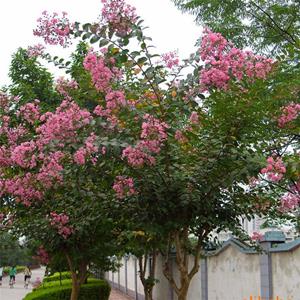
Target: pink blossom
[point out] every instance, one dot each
(179, 136)
(115, 99)
(119, 15)
(223, 63)
(24, 188)
(170, 59)
(62, 126)
(257, 236)
(289, 202)
(103, 75)
(136, 157)
(54, 29)
(64, 85)
(4, 101)
(23, 155)
(30, 112)
(275, 169)
(61, 223)
(124, 187)
(152, 136)
(36, 50)
(153, 129)
(86, 151)
(50, 172)
(289, 113)
(194, 118)
(42, 255)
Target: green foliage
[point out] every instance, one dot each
(263, 25)
(31, 81)
(57, 282)
(90, 291)
(11, 252)
(58, 276)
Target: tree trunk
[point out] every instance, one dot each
(180, 240)
(78, 276)
(75, 289)
(149, 282)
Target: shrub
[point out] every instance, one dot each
(50, 284)
(92, 291)
(56, 276)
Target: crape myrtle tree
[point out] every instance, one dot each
(271, 27)
(48, 182)
(178, 150)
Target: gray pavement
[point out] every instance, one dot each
(18, 292)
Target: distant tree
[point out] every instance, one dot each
(30, 80)
(11, 252)
(268, 26)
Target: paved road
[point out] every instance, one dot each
(18, 292)
(116, 295)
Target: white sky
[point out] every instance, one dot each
(169, 28)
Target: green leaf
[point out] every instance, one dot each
(103, 43)
(86, 36)
(86, 26)
(142, 60)
(94, 39)
(135, 54)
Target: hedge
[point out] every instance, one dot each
(50, 284)
(56, 276)
(91, 291)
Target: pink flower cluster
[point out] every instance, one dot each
(7, 101)
(224, 62)
(23, 188)
(30, 112)
(24, 155)
(170, 59)
(275, 169)
(119, 15)
(54, 29)
(44, 153)
(102, 75)
(43, 256)
(289, 113)
(194, 118)
(63, 85)
(180, 137)
(124, 187)
(115, 99)
(62, 125)
(256, 236)
(289, 202)
(60, 222)
(36, 50)
(50, 173)
(152, 137)
(86, 151)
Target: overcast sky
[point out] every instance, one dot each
(169, 28)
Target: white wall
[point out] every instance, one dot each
(286, 274)
(233, 275)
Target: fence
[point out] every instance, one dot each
(233, 272)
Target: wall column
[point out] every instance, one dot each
(266, 285)
(204, 279)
